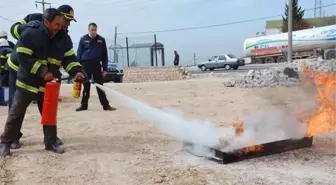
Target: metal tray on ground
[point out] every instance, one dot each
(263, 150)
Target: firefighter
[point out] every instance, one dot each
(3, 35)
(5, 51)
(91, 51)
(32, 50)
(57, 55)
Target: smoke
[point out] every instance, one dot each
(259, 128)
(171, 122)
(267, 126)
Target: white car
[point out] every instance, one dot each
(227, 61)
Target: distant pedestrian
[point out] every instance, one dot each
(91, 51)
(176, 59)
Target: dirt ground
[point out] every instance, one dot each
(120, 148)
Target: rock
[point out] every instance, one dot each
(291, 73)
(229, 82)
(158, 179)
(288, 75)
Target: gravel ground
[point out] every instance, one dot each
(120, 148)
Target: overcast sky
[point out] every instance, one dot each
(149, 15)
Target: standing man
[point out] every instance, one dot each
(176, 59)
(60, 53)
(91, 51)
(32, 53)
(3, 35)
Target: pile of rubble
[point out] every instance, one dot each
(288, 75)
(185, 74)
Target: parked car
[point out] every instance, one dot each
(227, 61)
(115, 72)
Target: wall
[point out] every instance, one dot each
(151, 74)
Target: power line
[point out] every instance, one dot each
(4, 18)
(217, 25)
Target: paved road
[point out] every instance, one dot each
(195, 70)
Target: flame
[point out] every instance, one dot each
(239, 127)
(254, 149)
(324, 118)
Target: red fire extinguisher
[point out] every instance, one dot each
(50, 103)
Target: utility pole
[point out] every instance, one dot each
(155, 50)
(318, 8)
(115, 44)
(43, 3)
(290, 30)
(194, 58)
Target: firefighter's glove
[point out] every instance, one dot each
(48, 76)
(79, 77)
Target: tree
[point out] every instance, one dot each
(298, 22)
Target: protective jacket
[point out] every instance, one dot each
(32, 54)
(11, 44)
(4, 55)
(93, 50)
(17, 27)
(16, 30)
(60, 53)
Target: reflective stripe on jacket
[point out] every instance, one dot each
(5, 53)
(61, 52)
(32, 54)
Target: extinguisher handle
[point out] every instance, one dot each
(58, 80)
(81, 80)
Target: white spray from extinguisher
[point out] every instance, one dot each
(180, 127)
(261, 127)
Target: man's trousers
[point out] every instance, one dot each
(21, 101)
(93, 69)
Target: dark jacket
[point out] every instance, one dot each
(15, 31)
(93, 50)
(17, 27)
(4, 55)
(32, 54)
(61, 52)
(176, 59)
(11, 44)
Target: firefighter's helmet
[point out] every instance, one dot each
(3, 33)
(3, 42)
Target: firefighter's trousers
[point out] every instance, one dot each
(21, 101)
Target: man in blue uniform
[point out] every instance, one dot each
(33, 53)
(91, 51)
(61, 51)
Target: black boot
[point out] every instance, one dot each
(54, 148)
(59, 141)
(4, 150)
(50, 138)
(109, 108)
(15, 145)
(82, 108)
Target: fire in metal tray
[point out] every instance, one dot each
(248, 152)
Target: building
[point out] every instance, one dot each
(274, 26)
